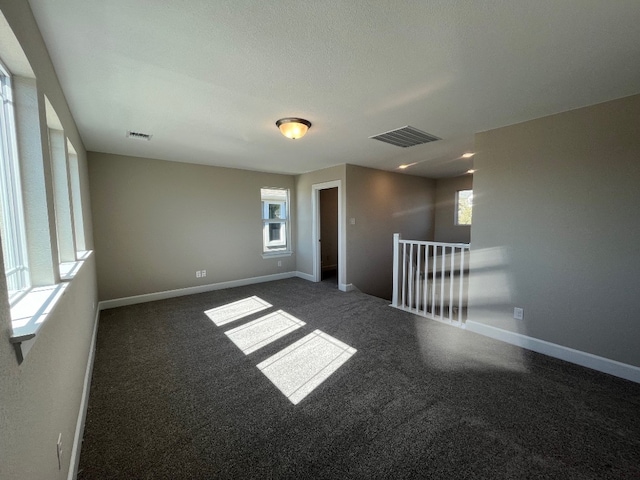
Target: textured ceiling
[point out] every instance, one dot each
(208, 79)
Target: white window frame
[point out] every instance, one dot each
(14, 245)
(456, 219)
(268, 197)
(76, 200)
(62, 195)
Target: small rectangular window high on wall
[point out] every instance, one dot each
(12, 230)
(275, 220)
(464, 207)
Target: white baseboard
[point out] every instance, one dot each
(150, 297)
(305, 276)
(346, 287)
(74, 460)
(602, 364)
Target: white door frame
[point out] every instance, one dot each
(342, 267)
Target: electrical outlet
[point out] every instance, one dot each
(204, 273)
(198, 273)
(59, 450)
(279, 263)
(518, 313)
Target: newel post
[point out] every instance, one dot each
(396, 268)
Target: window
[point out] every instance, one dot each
(464, 207)
(76, 198)
(62, 198)
(11, 216)
(275, 220)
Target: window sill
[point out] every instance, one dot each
(277, 254)
(68, 270)
(29, 313)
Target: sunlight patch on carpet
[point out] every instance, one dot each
(298, 369)
(258, 333)
(235, 311)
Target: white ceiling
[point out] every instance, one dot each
(209, 78)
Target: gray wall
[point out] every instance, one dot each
(445, 229)
(41, 397)
(555, 229)
(383, 203)
(157, 222)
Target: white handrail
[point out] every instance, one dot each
(430, 278)
(423, 242)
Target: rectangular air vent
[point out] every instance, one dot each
(138, 135)
(405, 137)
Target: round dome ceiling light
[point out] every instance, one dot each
(293, 128)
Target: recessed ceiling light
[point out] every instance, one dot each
(407, 165)
(468, 155)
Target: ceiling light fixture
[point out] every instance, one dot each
(471, 171)
(468, 155)
(293, 128)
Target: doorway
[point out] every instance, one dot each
(329, 235)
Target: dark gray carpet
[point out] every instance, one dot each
(172, 397)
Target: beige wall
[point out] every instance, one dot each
(383, 203)
(156, 223)
(445, 229)
(41, 397)
(555, 229)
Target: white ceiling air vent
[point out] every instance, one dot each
(405, 137)
(139, 135)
